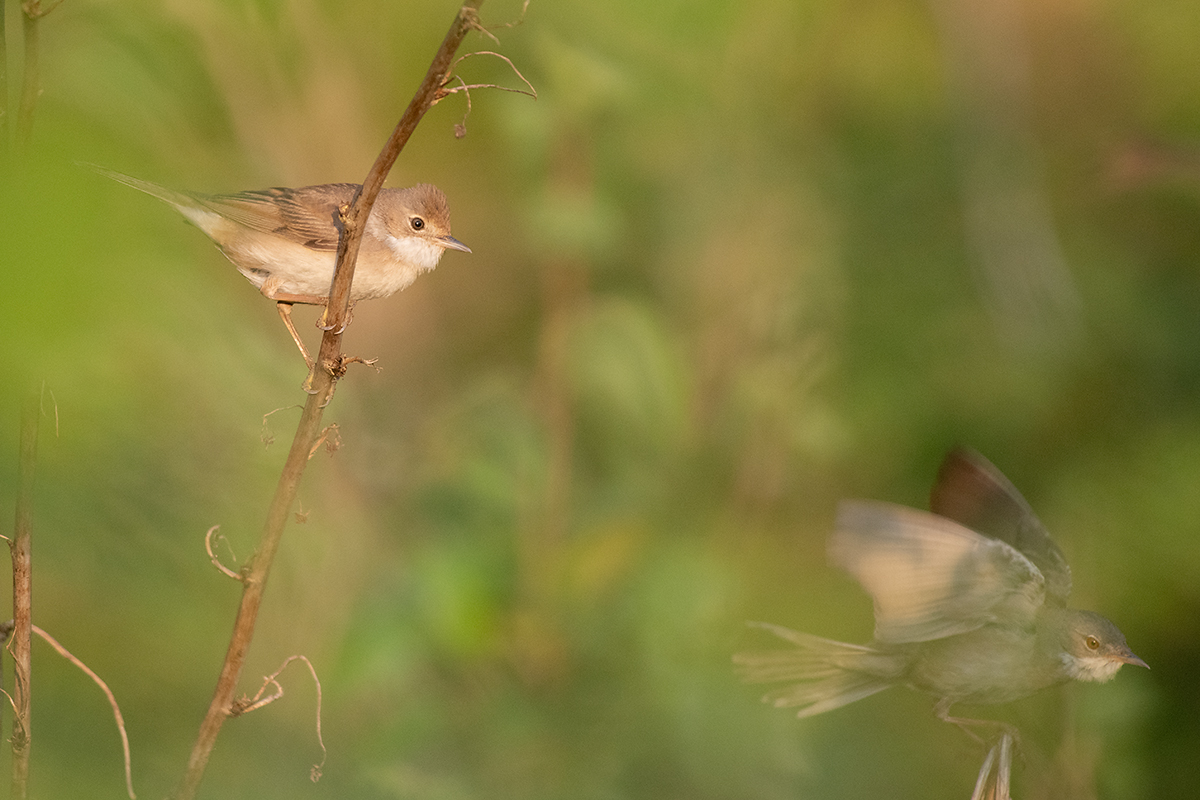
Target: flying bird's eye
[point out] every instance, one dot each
(417, 223)
(1092, 643)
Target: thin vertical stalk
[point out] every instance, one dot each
(30, 82)
(22, 567)
(31, 88)
(3, 79)
(330, 365)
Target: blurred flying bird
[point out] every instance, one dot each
(970, 605)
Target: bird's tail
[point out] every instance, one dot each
(178, 199)
(824, 674)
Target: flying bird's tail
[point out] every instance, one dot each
(824, 674)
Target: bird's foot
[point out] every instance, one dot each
(968, 725)
(993, 781)
(324, 324)
(285, 313)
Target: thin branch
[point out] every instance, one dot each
(529, 92)
(329, 366)
(331, 437)
(266, 436)
(11, 703)
(22, 567)
(460, 130)
(245, 705)
(248, 704)
(112, 702)
(29, 80)
(214, 558)
(355, 218)
(518, 21)
(33, 11)
(3, 83)
(6, 628)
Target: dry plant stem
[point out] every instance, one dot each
(431, 89)
(29, 74)
(112, 702)
(3, 83)
(330, 364)
(22, 568)
(31, 13)
(248, 704)
(254, 580)
(214, 558)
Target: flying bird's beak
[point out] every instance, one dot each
(1129, 658)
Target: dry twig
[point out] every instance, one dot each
(112, 702)
(460, 130)
(214, 558)
(247, 704)
(331, 437)
(22, 566)
(266, 436)
(320, 384)
(33, 11)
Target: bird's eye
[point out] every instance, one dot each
(1092, 643)
(417, 223)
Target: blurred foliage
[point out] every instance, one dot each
(737, 261)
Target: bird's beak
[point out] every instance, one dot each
(1129, 658)
(450, 243)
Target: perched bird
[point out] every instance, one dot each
(970, 605)
(284, 241)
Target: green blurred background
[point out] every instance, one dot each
(736, 262)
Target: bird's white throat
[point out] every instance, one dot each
(412, 251)
(1097, 669)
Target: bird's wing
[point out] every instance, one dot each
(972, 492)
(929, 576)
(308, 215)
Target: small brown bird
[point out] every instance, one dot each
(285, 241)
